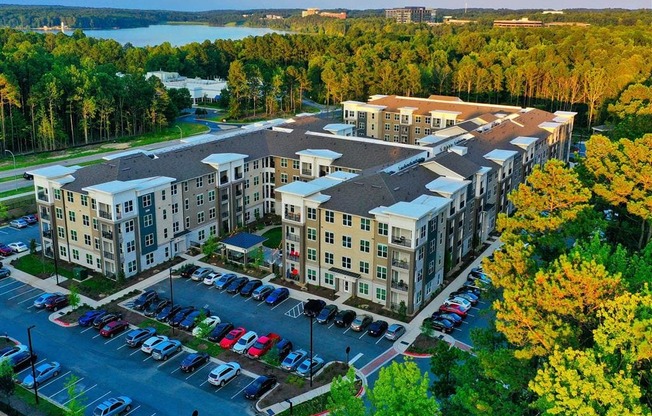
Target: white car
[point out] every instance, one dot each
(152, 342)
(209, 323)
(244, 343)
(458, 301)
(18, 247)
(224, 373)
(211, 278)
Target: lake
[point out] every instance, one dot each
(177, 35)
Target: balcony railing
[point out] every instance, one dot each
(109, 256)
(42, 196)
(294, 256)
(45, 216)
(292, 237)
(292, 216)
(238, 176)
(238, 209)
(225, 215)
(402, 241)
(401, 263)
(306, 172)
(47, 234)
(399, 286)
(107, 234)
(224, 179)
(225, 197)
(106, 215)
(238, 193)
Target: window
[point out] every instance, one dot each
(87, 239)
(397, 127)
(149, 240)
(97, 243)
(426, 131)
(61, 232)
(186, 204)
(165, 235)
(84, 200)
(312, 254)
(381, 294)
(175, 208)
(199, 182)
(211, 196)
(431, 266)
(397, 117)
(256, 164)
(346, 220)
(295, 164)
(175, 190)
(382, 228)
(312, 214)
(86, 220)
(312, 234)
(312, 275)
(75, 254)
(328, 258)
(211, 177)
(71, 197)
(364, 246)
(365, 224)
(131, 246)
(363, 288)
(71, 216)
(187, 222)
(256, 196)
(329, 279)
(131, 266)
(63, 252)
(129, 206)
(163, 195)
(346, 241)
(129, 226)
(428, 119)
(387, 126)
(417, 119)
(364, 267)
(417, 130)
(89, 259)
(246, 200)
(211, 213)
(73, 235)
(147, 201)
(388, 116)
(148, 220)
(95, 223)
(93, 204)
(381, 251)
(256, 180)
(200, 217)
(59, 213)
(149, 258)
(175, 227)
(330, 216)
(329, 237)
(381, 272)
(201, 235)
(200, 199)
(284, 178)
(165, 214)
(346, 262)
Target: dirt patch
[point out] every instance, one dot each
(423, 344)
(375, 308)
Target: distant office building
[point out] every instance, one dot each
(410, 15)
(553, 12)
(316, 12)
(200, 89)
(524, 22)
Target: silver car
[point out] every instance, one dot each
(394, 332)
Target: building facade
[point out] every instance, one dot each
(410, 15)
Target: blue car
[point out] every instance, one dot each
(43, 373)
(277, 296)
(88, 318)
(190, 320)
(39, 302)
(113, 406)
(166, 349)
(224, 281)
(138, 336)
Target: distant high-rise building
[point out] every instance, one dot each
(410, 14)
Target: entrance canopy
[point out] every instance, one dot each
(239, 245)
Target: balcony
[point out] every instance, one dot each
(224, 179)
(293, 255)
(106, 215)
(45, 216)
(225, 197)
(401, 263)
(306, 172)
(402, 241)
(109, 256)
(225, 215)
(238, 209)
(400, 285)
(107, 234)
(238, 193)
(47, 234)
(293, 216)
(292, 237)
(42, 196)
(238, 176)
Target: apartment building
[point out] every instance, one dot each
(410, 14)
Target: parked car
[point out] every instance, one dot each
(28, 176)
(474, 285)
(8, 352)
(361, 322)
(293, 359)
(457, 300)
(249, 288)
(245, 341)
(188, 271)
(344, 317)
(394, 332)
(284, 347)
(456, 309)
(145, 299)
(467, 292)
(224, 373)
(199, 274)
(237, 284)
(262, 292)
(440, 324)
(102, 320)
(194, 360)
(327, 314)
(90, 316)
(377, 328)
(232, 337)
(42, 373)
(263, 345)
(39, 303)
(5, 250)
(220, 331)
(18, 223)
(313, 307)
(112, 328)
(466, 296)
(181, 315)
(21, 360)
(152, 342)
(166, 349)
(55, 303)
(138, 336)
(260, 386)
(18, 247)
(224, 281)
(211, 278)
(277, 296)
(477, 273)
(113, 406)
(30, 218)
(4, 272)
(207, 325)
(168, 312)
(304, 368)
(454, 318)
(191, 319)
(155, 307)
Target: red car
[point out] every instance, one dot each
(113, 328)
(5, 250)
(456, 309)
(263, 345)
(232, 337)
(54, 303)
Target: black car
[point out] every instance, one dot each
(327, 314)
(28, 176)
(194, 360)
(188, 271)
(55, 303)
(100, 321)
(220, 331)
(88, 318)
(21, 360)
(248, 289)
(440, 324)
(259, 387)
(168, 312)
(191, 320)
(237, 284)
(284, 347)
(377, 328)
(145, 299)
(454, 318)
(344, 317)
(181, 315)
(313, 307)
(155, 307)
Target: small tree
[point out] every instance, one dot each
(204, 329)
(75, 406)
(427, 329)
(73, 297)
(210, 245)
(402, 311)
(32, 246)
(7, 382)
(272, 357)
(343, 400)
(258, 257)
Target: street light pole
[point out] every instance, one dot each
(171, 297)
(290, 401)
(348, 350)
(312, 318)
(31, 359)
(14, 158)
(56, 265)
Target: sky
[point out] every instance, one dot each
(201, 5)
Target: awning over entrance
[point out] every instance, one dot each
(242, 243)
(345, 274)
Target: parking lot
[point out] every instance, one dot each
(107, 368)
(286, 319)
(10, 234)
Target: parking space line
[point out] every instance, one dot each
(163, 363)
(356, 358)
(29, 368)
(331, 325)
(296, 311)
(11, 290)
(236, 294)
(470, 315)
(363, 334)
(243, 389)
(137, 350)
(27, 300)
(99, 398)
(15, 296)
(133, 410)
(248, 299)
(225, 384)
(87, 329)
(175, 370)
(347, 330)
(55, 379)
(98, 334)
(148, 357)
(284, 300)
(9, 283)
(121, 347)
(80, 393)
(197, 370)
(205, 381)
(379, 339)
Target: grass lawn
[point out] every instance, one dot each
(41, 266)
(18, 191)
(44, 406)
(273, 236)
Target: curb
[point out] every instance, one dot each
(416, 355)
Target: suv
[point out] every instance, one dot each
(145, 299)
(284, 347)
(166, 349)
